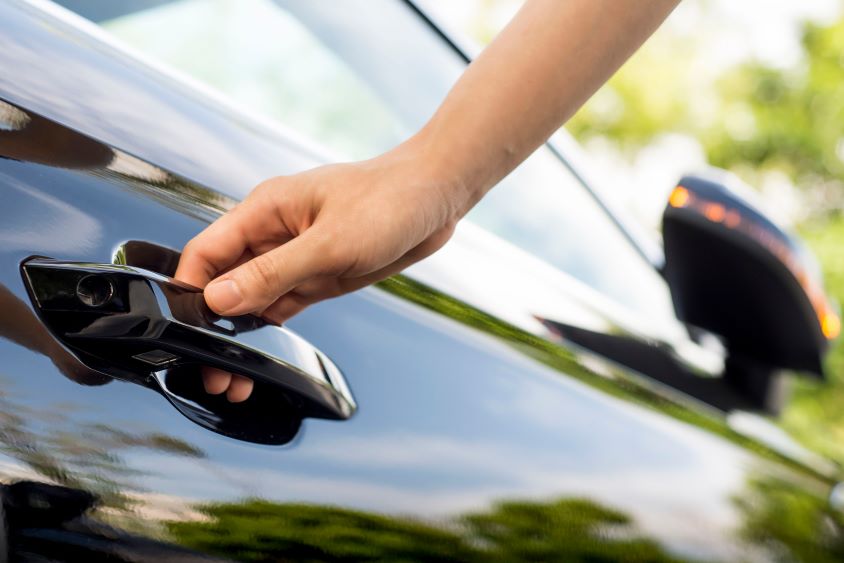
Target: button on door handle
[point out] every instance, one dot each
(133, 323)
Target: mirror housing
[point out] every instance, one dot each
(732, 271)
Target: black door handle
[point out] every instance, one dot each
(131, 323)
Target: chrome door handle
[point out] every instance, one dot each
(133, 323)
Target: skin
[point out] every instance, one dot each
(296, 240)
(20, 325)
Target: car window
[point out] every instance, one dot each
(267, 60)
(359, 76)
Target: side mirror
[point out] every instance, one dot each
(734, 272)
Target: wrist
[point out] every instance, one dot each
(443, 166)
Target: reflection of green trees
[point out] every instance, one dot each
(796, 115)
(780, 519)
(564, 530)
(789, 522)
(177, 193)
(753, 118)
(263, 531)
(816, 412)
(50, 443)
(563, 360)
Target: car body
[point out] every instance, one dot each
(490, 423)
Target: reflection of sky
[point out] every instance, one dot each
(450, 420)
(379, 24)
(67, 227)
(545, 211)
(469, 268)
(128, 109)
(540, 207)
(293, 79)
(347, 76)
(442, 429)
(453, 431)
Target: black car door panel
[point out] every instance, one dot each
(472, 438)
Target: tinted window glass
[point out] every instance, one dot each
(359, 76)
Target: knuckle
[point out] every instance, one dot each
(269, 187)
(263, 187)
(334, 289)
(192, 246)
(271, 194)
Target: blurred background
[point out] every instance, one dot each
(755, 87)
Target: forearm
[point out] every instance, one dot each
(539, 70)
(299, 239)
(19, 324)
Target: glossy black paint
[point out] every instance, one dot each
(727, 393)
(135, 110)
(146, 328)
(461, 417)
(55, 70)
(474, 439)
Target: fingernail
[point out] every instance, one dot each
(223, 296)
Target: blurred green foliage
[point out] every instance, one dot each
(788, 522)
(779, 521)
(751, 120)
(796, 115)
(816, 412)
(563, 530)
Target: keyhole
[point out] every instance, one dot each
(94, 290)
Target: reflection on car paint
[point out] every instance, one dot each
(472, 434)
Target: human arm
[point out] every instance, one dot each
(299, 239)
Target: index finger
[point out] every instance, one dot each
(213, 250)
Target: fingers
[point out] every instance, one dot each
(211, 251)
(215, 380)
(253, 286)
(236, 387)
(252, 225)
(239, 389)
(290, 305)
(414, 255)
(326, 287)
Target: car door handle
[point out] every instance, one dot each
(129, 323)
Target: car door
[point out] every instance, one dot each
(359, 79)
(473, 438)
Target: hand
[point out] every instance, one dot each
(296, 240)
(299, 239)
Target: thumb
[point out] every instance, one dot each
(256, 284)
